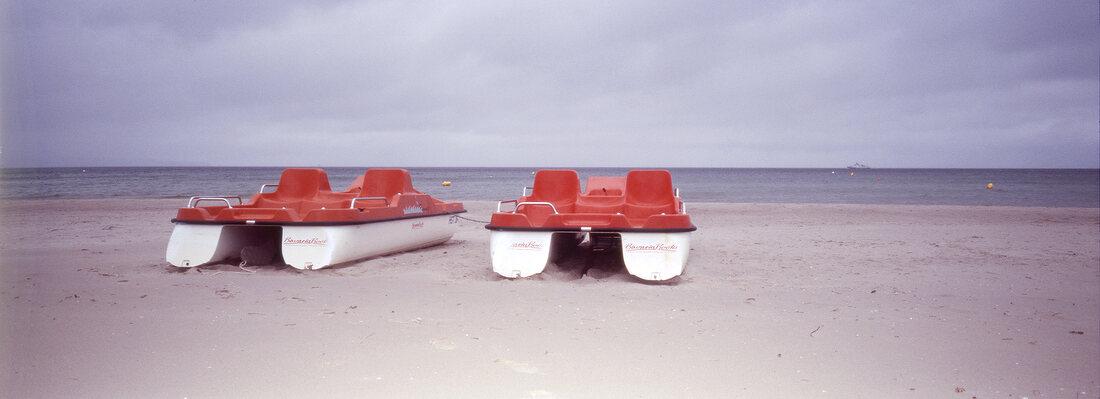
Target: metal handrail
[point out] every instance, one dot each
(195, 200)
(537, 203)
(499, 203)
(683, 207)
(368, 198)
(519, 204)
(265, 186)
(525, 188)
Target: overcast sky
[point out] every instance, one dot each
(720, 83)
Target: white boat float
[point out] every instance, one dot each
(641, 213)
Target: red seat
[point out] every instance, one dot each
(381, 183)
(386, 183)
(295, 185)
(558, 187)
(302, 190)
(649, 192)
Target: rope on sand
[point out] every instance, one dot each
(472, 220)
(250, 271)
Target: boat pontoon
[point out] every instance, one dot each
(641, 212)
(306, 225)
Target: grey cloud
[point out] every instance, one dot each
(555, 83)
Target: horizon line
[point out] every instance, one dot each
(538, 167)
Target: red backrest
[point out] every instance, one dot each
(299, 184)
(649, 187)
(555, 186)
(386, 183)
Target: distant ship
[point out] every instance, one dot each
(858, 165)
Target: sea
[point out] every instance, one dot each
(1011, 187)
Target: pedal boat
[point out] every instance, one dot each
(641, 212)
(306, 225)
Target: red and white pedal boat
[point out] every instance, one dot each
(308, 225)
(642, 210)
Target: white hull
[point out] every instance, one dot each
(307, 247)
(648, 256)
(519, 253)
(655, 256)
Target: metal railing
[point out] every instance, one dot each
(519, 204)
(676, 193)
(197, 199)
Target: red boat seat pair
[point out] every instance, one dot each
(642, 193)
(311, 186)
(304, 195)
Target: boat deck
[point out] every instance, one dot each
(303, 196)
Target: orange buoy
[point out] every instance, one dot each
(989, 186)
(446, 183)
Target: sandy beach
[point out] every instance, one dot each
(778, 301)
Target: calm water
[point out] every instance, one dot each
(1013, 187)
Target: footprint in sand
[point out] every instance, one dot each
(412, 321)
(517, 366)
(444, 344)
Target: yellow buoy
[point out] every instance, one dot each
(852, 174)
(446, 183)
(989, 186)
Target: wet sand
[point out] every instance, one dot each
(777, 301)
